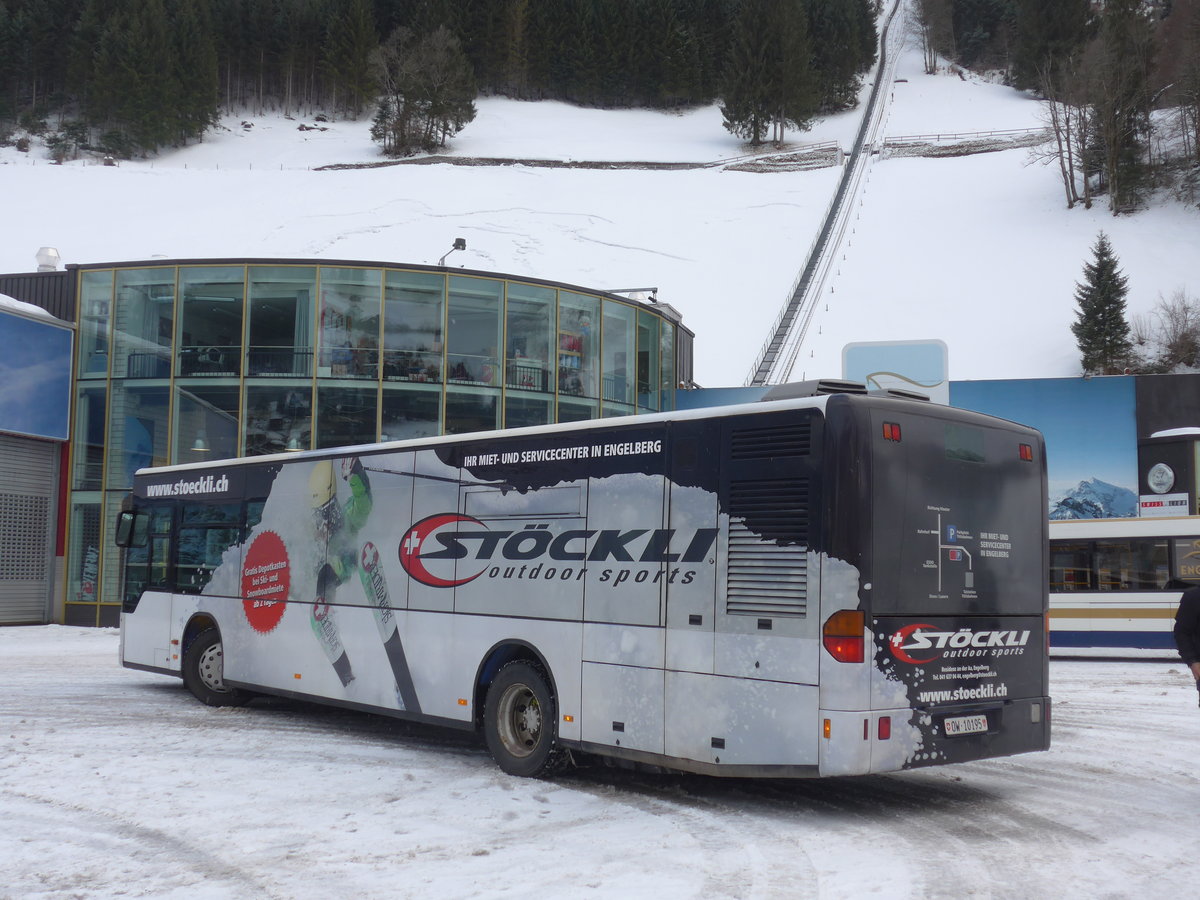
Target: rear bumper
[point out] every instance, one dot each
(890, 740)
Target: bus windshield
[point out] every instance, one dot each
(957, 520)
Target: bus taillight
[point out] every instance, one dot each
(891, 432)
(843, 635)
(1026, 452)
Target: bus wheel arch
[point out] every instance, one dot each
(203, 665)
(516, 704)
(196, 625)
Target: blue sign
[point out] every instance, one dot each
(35, 376)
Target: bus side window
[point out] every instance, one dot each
(206, 531)
(254, 513)
(160, 547)
(1071, 566)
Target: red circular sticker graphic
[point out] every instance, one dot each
(266, 577)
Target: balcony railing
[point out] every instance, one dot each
(279, 361)
(210, 362)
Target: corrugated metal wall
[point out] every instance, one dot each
(28, 473)
(52, 291)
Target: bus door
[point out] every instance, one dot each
(146, 591)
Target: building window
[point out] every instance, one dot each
(667, 359)
(529, 339)
(346, 416)
(281, 321)
(210, 321)
(139, 431)
(95, 306)
(618, 353)
(649, 372)
(577, 318)
(349, 325)
(143, 323)
(521, 409)
(87, 453)
(278, 417)
(413, 320)
(473, 337)
(411, 411)
(206, 421)
(472, 409)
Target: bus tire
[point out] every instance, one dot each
(520, 721)
(203, 671)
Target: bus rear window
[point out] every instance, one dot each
(964, 443)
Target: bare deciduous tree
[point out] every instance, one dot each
(1168, 337)
(933, 24)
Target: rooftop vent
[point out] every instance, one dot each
(900, 394)
(794, 389)
(47, 259)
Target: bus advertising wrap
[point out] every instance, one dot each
(730, 594)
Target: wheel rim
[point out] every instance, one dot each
(212, 669)
(520, 720)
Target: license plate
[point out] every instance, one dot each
(957, 725)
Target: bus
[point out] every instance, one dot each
(832, 583)
(1115, 583)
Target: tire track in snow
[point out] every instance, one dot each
(175, 862)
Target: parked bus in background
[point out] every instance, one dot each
(829, 584)
(1116, 583)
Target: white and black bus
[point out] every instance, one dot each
(1115, 584)
(837, 583)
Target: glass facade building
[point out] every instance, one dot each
(185, 361)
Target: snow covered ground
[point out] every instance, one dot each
(978, 251)
(118, 783)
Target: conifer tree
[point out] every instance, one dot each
(1100, 328)
(1122, 99)
(348, 48)
(769, 80)
(193, 68)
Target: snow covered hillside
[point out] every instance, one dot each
(978, 251)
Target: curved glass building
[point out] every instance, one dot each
(187, 360)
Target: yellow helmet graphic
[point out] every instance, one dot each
(321, 486)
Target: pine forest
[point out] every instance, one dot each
(1120, 79)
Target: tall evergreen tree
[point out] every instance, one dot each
(348, 50)
(1122, 98)
(769, 80)
(1100, 327)
(843, 42)
(1047, 33)
(193, 68)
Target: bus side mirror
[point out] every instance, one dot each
(131, 529)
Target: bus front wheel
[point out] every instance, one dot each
(204, 671)
(520, 721)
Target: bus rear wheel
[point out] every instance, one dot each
(204, 671)
(520, 721)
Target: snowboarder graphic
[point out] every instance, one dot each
(338, 526)
(335, 526)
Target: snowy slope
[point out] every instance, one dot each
(978, 251)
